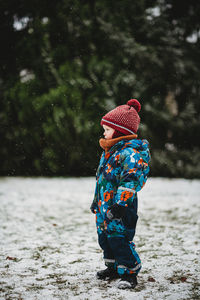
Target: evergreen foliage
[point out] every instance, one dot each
(66, 63)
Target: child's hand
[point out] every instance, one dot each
(93, 208)
(116, 211)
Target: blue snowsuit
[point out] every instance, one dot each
(122, 172)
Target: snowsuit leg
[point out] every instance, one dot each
(128, 261)
(103, 242)
(118, 250)
(108, 254)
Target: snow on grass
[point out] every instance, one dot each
(49, 248)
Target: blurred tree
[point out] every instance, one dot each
(65, 63)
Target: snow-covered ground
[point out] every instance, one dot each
(49, 249)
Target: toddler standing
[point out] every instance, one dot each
(122, 172)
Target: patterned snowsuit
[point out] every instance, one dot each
(122, 172)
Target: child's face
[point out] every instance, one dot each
(108, 132)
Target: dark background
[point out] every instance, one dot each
(63, 64)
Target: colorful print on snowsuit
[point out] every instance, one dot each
(122, 172)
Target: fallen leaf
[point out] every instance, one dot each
(183, 279)
(151, 279)
(11, 258)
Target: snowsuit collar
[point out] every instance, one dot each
(107, 144)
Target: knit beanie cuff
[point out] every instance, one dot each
(118, 127)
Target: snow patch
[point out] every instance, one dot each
(49, 247)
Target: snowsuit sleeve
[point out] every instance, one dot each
(94, 205)
(134, 171)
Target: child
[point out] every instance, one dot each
(122, 172)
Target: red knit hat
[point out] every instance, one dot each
(124, 118)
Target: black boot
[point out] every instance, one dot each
(127, 282)
(108, 273)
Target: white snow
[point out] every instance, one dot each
(49, 248)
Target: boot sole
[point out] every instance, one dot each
(116, 276)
